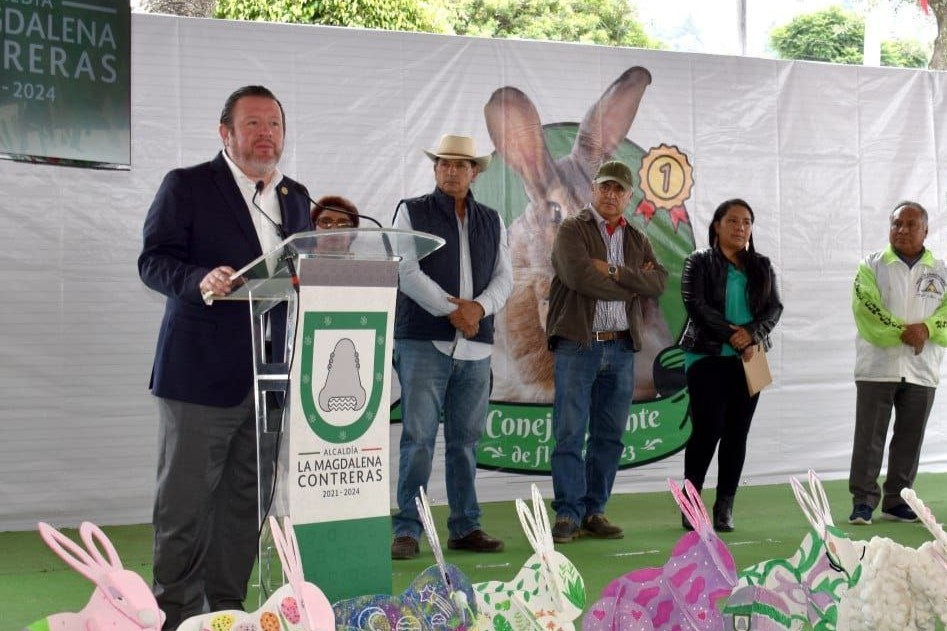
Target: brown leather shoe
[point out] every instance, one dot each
(404, 547)
(597, 525)
(477, 541)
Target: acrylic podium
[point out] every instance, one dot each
(324, 408)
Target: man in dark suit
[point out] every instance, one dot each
(207, 221)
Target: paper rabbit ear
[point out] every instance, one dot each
(287, 547)
(690, 504)
(427, 520)
(809, 505)
(528, 522)
(541, 518)
(927, 518)
(70, 552)
(822, 500)
(93, 537)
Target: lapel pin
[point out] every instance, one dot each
(284, 190)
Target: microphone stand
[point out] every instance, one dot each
(287, 256)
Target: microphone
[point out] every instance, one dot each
(277, 226)
(300, 188)
(288, 257)
(305, 191)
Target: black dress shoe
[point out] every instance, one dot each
(723, 513)
(477, 541)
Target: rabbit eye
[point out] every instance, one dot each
(832, 563)
(556, 211)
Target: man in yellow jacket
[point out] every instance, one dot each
(898, 300)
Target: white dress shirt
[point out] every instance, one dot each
(266, 232)
(423, 290)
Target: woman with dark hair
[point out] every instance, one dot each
(334, 212)
(732, 303)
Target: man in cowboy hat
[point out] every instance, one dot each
(443, 339)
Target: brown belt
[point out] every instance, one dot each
(608, 336)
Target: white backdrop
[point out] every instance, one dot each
(821, 152)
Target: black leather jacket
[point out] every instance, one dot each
(704, 287)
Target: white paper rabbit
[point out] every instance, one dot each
(122, 601)
(807, 585)
(547, 594)
(929, 573)
(901, 588)
(296, 606)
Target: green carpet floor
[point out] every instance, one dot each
(34, 582)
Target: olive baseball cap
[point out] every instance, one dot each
(615, 171)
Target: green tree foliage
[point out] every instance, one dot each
(608, 22)
(396, 15)
(838, 36)
(904, 54)
(830, 35)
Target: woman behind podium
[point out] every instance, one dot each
(730, 295)
(334, 212)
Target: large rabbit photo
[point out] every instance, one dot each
(555, 188)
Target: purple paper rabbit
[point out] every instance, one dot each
(681, 595)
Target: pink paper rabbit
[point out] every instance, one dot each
(681, 595)
(297, 606)
(122, 601)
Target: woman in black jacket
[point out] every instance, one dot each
(732, 302)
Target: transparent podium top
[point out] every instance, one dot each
(270, 276)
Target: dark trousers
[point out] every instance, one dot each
(875, 399)
(205, 514)
(721, 411)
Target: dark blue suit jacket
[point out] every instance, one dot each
(198, 221)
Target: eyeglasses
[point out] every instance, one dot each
(327, 223)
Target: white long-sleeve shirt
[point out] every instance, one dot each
(422, 289)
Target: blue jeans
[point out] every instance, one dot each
(594, 385)
(431, 382)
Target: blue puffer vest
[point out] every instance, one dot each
(434, 213)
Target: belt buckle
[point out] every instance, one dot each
(604, 336)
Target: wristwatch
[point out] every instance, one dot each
(613, 272)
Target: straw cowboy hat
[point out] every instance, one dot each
(457, 148)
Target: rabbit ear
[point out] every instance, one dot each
(694, 509)
(926, 516)
(287, 547)
(808, 506)
(541, 519)
(822, 500)
(517, 134)
(70, 552)
(697, 502)
(427, 520)
(528, 522)
(93, 537)
(607, 122)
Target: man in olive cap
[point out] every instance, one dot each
(604, 267)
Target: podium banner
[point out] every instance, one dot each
(339, 439)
